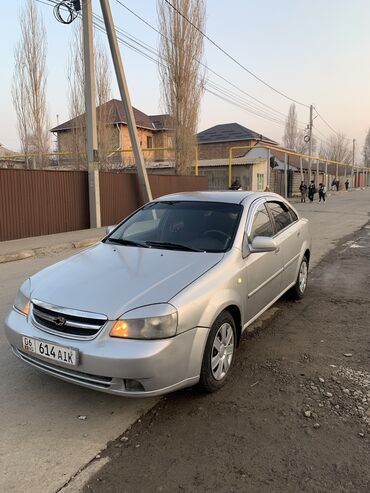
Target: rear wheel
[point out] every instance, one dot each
(219, 353)
(298, 290)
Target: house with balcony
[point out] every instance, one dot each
(153, 131)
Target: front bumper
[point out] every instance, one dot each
(111, 365)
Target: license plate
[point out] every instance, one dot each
(51, 351)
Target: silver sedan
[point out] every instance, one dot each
(162, 301)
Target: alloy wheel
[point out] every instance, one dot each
(222, 351)
(303, 273)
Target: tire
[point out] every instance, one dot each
(298, 290)
(219, 353)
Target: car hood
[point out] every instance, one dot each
(111, 279)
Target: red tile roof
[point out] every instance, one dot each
(115, 112)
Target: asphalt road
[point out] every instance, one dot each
(43, 443)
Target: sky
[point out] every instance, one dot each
(316, 52)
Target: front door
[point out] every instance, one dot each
(287, 231)
(262, 272)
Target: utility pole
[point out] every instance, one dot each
(90, 106)
(353, 161)
(285, 175)
(144, 185)
(310, 142)
(57, 143)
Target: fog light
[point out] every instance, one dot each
(133, 385)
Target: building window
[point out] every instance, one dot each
(149, 142)
(260, 181)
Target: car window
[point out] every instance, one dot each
(280, 214)
(197, 225)
(293, 215)
(261, 225)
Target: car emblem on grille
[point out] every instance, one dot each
(59, 321)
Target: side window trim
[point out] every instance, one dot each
(252, 214)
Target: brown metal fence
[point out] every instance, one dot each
(119, 192)
(34, 203)
(40, 202)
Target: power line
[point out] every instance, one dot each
(232, 96)
(212, 88)
(221, 92)
(200, 62)
(326, 123)
(217, 74)
(234, 59)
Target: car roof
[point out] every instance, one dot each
(228, 196)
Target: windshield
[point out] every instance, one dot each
(181, 225)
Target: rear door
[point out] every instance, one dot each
(262, 272)
(288, 235)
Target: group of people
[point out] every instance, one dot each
(335, 184)
(310, 190)
(305, 190)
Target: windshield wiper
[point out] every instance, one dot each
(172, 246)
(120, 241)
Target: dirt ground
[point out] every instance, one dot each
(294, 416)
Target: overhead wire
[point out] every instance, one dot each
(212, 87)
(233, 58)
(243, 66)
(200, 62)
(215, 89)
(326, 123)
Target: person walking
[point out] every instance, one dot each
(346, 183)
(311, 190)
(303, 190)
(322, 192)
(235, 185)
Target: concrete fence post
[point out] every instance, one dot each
(285, 175)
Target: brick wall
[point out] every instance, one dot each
(221, 150)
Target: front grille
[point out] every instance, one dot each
(73, 375)
(66, 322)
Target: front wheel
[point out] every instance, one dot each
(219, 353)
(299, 289)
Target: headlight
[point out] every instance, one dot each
(149, 322)
(22, 300)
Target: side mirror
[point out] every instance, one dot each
(109, 229)
(263, 244)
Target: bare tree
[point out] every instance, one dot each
(302, 146)
(290, 138)
(29, 83)
(337, 148)
(19, 95)
(104, 115)
(181, 47)
(75, 139)
(366, 149)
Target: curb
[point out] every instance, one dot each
(42, 251)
